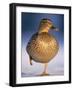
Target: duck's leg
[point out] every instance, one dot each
(30, 58)
(45, 73)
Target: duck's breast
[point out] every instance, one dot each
(42, 47)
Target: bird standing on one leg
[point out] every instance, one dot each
(42, 47)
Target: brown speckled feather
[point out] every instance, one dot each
(42, 47)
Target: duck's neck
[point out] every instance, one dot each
(43, 31)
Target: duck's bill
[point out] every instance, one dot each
(54, 28)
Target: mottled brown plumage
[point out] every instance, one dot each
(42, 46)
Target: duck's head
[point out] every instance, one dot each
(46, 25)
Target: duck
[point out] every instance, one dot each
(43, 46)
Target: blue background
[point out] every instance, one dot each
(31, 21)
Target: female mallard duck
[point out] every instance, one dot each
(42, 46)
